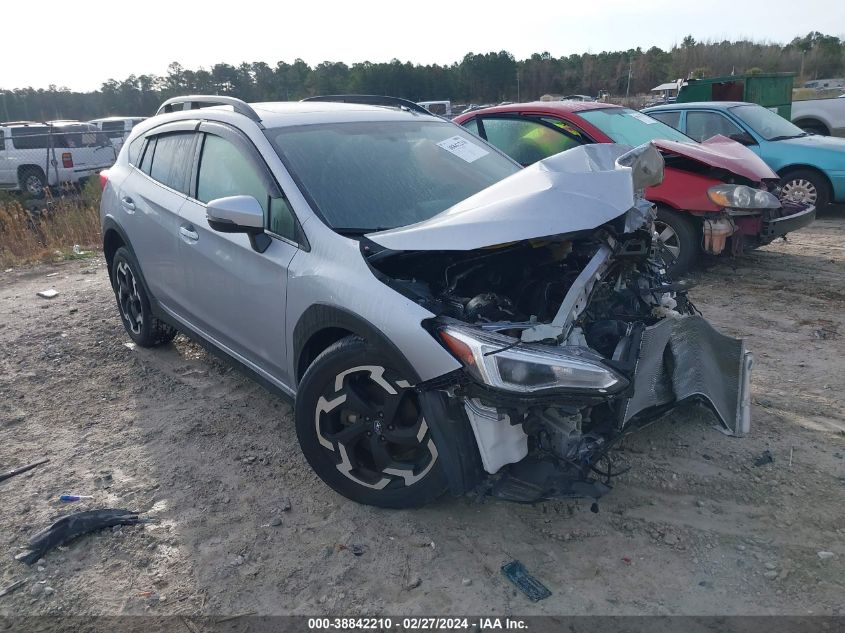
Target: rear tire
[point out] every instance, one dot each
(679, 237)
(362, 430)
(805, 186)
(32, 181)
(134, 304)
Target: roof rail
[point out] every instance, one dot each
(395, 102)
(194, 102)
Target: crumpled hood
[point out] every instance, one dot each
(724, 153)
(576, 190)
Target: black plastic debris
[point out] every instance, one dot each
(21, 469)
(73, 525)
(515, 572)
(15, 585)
(764, 458)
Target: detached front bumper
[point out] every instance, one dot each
(778, 227)
(686, 358)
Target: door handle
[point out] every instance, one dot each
(188, 233)
(127, 203)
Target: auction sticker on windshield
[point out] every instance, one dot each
(462, 148)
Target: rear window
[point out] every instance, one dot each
(364, 176)
(630, 127)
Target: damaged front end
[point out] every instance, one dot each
(570, 333)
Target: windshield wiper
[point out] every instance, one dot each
(359, 230)
(785, 137)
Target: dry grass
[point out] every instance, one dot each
(52, 231)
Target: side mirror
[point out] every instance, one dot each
(239, 214)
(646, 165)
(235, 214)
(744, 138)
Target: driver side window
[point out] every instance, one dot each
(224, 170)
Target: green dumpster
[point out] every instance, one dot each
(770, 90)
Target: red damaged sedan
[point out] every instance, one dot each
(716, 196)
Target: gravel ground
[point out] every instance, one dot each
(243, 525)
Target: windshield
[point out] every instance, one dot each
(630, 127)
(769, 125)
(373, 175)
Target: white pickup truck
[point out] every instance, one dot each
(820, 116)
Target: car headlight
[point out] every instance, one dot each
(742, 197)
(504, 363)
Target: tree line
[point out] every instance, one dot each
(477, 78)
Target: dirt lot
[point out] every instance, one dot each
(244, 525)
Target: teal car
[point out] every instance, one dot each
(811, 167)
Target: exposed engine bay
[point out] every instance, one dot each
(513, 287)
(568, 343)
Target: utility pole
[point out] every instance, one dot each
(630, 69)
(517, 86)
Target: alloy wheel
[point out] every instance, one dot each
(129, 298)
(669, 239)
(374, 426)
(800, 190)
(33, 185)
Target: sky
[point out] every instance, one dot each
(81, 44)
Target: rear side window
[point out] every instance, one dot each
(113, 129)
(135, 150)
(669, 118)
(147, 161)
(30, 137)
(172, 160)
(79, 136)
(472, 126)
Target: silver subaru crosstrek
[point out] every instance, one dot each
(444, 319)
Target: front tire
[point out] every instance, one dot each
(134, 304)
(804, 186)
(362, 430)
(678, 236)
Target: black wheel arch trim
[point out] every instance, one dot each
(455, 441)
(319, 317)
(110, 224)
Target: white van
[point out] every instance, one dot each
(34, 155)
(440, 108)
(117, 128)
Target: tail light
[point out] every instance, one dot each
(104, 178)
(67, 160)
